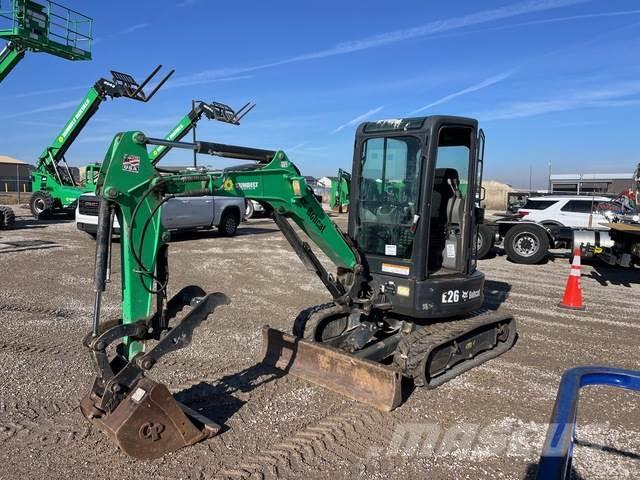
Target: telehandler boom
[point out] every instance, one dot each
(52, 183)
(42, 27)
(406, 297)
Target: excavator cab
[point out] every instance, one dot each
(412, 213)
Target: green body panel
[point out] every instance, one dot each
(129, 188)
(127, 178)
(46, 27)
(9, 58)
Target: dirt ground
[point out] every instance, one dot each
(488, 423)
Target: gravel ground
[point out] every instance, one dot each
(488, 423)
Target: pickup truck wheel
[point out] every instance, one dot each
(484, 241)
(41, 205)
(526, 244)
(249, 211)
(228, 224)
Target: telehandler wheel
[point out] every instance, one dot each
(41, 205)
(485, 241)
(527, 243)
(228, 224)
(320, 322)
(7, 218)
(249, 211)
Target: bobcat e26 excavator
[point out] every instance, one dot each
(406, 298)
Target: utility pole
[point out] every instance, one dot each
(549, 178)
(530, 175)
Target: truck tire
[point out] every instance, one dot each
(249, 211)
(485, 241)
(7, 218)
(526, 243)
(41, 205)
(229, 223)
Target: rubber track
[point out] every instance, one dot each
(414, 347)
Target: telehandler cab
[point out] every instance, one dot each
(406, 298)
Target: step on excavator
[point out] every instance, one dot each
(45, 27)
(53, 184)
(406, 296)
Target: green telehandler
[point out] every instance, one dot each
(53, 185)
(406, 297)
(42, 27)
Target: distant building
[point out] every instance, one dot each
(585, 183)
(15, 175)
(326, 181)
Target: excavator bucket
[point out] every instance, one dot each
(149, 422)
(359, 379)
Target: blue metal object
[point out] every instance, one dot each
(557, 452)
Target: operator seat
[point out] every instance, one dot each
(445, 208)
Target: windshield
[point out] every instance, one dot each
(388, 195)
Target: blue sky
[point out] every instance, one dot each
(550, 80)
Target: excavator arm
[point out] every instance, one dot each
(132, 188)
(123, 402)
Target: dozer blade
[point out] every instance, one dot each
(149, 422)
(359, 379)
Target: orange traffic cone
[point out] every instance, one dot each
(573, 292)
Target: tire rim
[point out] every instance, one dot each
(479, 242)
(39, 205)
(525, 244)
(230, 225)
(248, 210)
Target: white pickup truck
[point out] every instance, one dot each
(183, 213)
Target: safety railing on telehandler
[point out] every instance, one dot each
(46, 26)
(557, 452)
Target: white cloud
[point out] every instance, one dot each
(186, 3)
(358, 119)
(473, 88)
(388, 38)
(603, 97)
(48, 108)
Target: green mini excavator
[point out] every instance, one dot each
(42, 27)
(406, 298)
